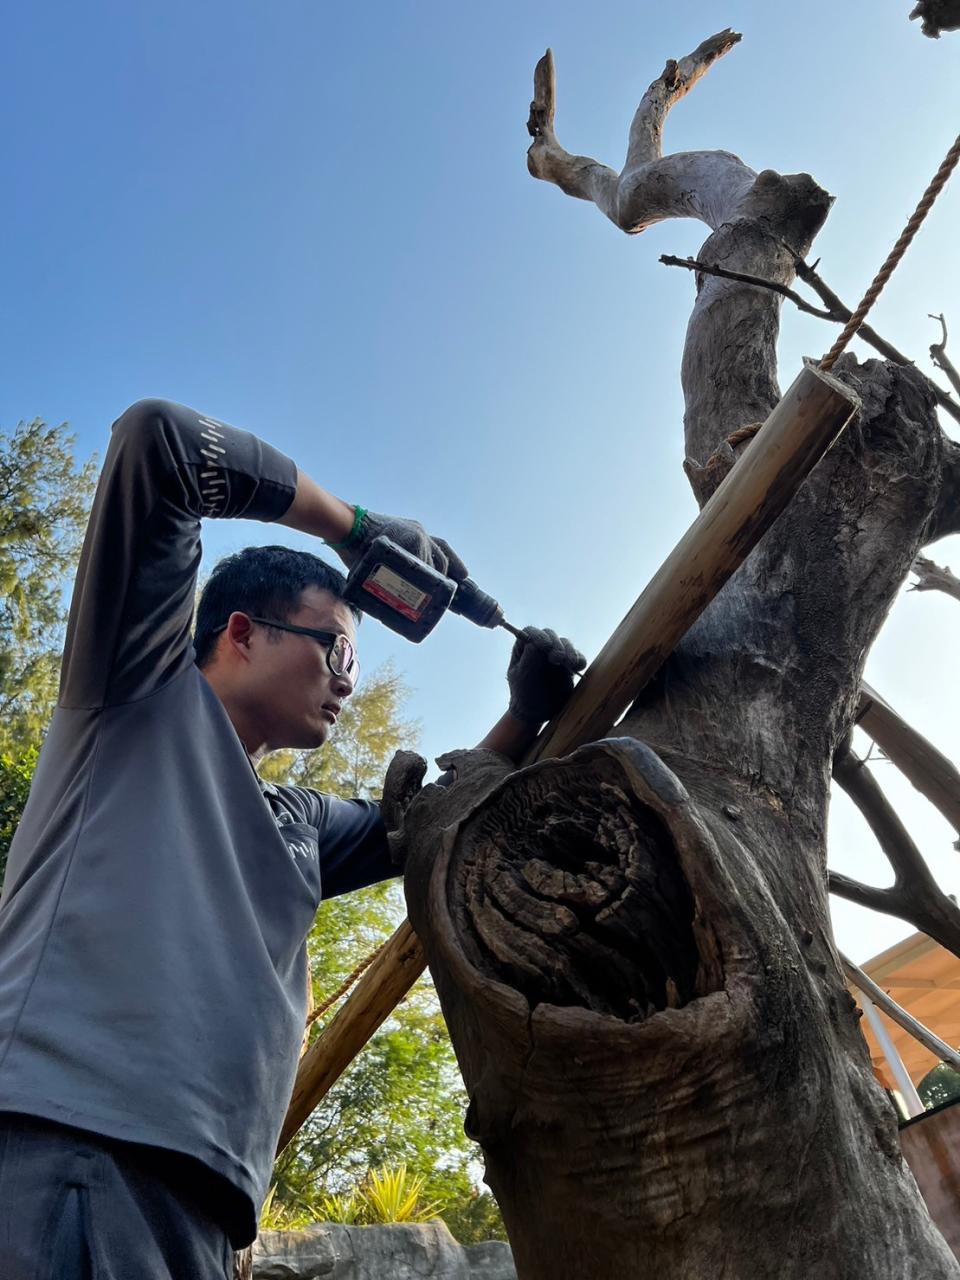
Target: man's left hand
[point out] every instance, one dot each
(540, 675)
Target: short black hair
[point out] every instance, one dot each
(267, 581)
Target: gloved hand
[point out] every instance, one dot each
(540, 675)
(412, 536)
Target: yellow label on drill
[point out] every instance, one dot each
(395, 591)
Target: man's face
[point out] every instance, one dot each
(295, 695)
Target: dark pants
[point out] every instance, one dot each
(76, 1206)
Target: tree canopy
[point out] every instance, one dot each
(44, 497)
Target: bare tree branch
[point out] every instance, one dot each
(834, 311)
(674, 83)
(695, 184)
(915, 895)
(905, 858)
(887, 901)
(842, 313)
(692, 264)
(931, 577)
(938, 354)
(921, 763)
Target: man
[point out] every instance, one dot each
(158, 895)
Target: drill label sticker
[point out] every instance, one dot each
(395, 591)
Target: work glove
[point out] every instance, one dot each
(412, 536)
(540, 675)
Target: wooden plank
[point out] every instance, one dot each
(933, 775)
(785, 450)
(377, 993)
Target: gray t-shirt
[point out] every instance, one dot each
(158, 896)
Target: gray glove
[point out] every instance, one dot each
(540, 675)
(413, 538)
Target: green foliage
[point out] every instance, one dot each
(940, 1085)
(347, 1208)
(386, 1195)
(16, 774)
(472, 1215)
(44, 499)
(401, 1104)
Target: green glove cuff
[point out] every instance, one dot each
(356, 533)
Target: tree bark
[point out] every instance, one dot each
(632, 944)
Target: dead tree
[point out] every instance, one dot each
(632, 944)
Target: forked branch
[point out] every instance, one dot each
(915, 895)
(938, 354)
(698, 184)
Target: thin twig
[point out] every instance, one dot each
(712, 269)
(834, 311)
(938, 354)
(933, 577)
(842, 313)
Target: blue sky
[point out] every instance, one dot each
(316, 222)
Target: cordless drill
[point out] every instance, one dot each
(410, 596)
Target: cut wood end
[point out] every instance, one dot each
(824, 375)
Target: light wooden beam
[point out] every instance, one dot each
(794, 438)
(787, 447)
(377, 993)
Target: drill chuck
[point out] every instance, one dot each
(475, 605)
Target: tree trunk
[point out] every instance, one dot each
(632, 945)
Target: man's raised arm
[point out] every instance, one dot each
(166, 468)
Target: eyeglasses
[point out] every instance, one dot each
(341, 655)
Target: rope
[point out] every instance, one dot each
(937, 184)
(743, 433)
(344, 986)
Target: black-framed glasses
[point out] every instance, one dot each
(341, 655)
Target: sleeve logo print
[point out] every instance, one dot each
(213, 480)
(301, 845)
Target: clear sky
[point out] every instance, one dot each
(315, 221)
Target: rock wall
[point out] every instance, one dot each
(332, 1251)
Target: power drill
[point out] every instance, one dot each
(410, 597)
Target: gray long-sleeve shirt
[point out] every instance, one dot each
(158, 896)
